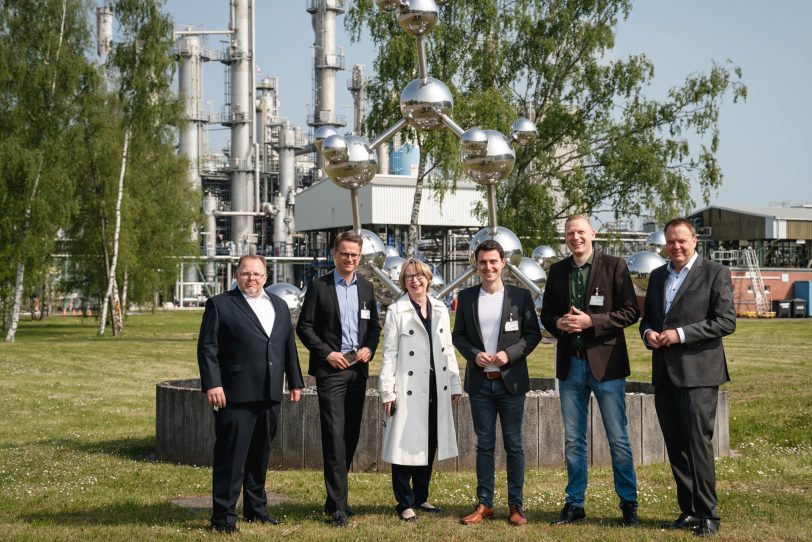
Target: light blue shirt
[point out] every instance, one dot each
(347, 295)
(673, 284)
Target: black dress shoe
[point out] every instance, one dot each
(228, 528)
(684, 521)
(570, 514)
(340, 518)
(430, 509)
(707, 527)
(269, 519)
(629, 509)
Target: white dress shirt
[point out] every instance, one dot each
(263, 308)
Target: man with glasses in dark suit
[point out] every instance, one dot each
(339, 325)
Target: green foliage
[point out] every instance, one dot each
(603, 145)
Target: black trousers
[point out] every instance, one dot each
(242, 446)
(341, 407)
(411, 495)
(687, 417)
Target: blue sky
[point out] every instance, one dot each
(764, 141)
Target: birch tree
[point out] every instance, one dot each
(42, 57)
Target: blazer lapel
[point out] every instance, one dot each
(593, 274)
(475, 314)
(689, 279)
(506, 314)
(239, 300)
(331, 286)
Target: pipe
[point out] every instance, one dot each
(451, 286)
(356, 210)
(421, 60)
(384, 278)
(490, 190)
(390, 132)
(451, 124)
(535, 290)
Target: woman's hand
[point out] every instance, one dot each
(389, 408)
(456, 398)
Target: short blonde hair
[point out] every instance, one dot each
(420, 267)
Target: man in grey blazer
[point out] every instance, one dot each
(688, 309)
(495, 329)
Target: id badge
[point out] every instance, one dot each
(512, 325)
(364, 314)
(596, 301)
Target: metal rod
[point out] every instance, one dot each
(236, 213)
(384, 278)
(421, 60)
(535, 290)
(356, 210)
(451, 124)
(491, 192)
(390, 132)
(201, 32)
(451, 286)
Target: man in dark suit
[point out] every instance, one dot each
(339, 325)
(688, 309)
(495, 329)
(588, 301)
(245, 346)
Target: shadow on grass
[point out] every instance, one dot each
(134, 449)
(124, 513)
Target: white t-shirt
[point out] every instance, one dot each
(490, 318)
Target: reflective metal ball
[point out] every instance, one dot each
(474, 143)
(421, 103)
(290, 294)
(387, 5)
(545, 255)
(392, 266)
(417, 17)
(641, 264)
(531, 269)
(510, 243)
(352, 166)
(322, 133)
(657, 238)
(391, 251)
(494, 165)
(373, 251)
(523, 132)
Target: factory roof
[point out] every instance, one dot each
(780, 213)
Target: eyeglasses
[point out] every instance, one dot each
(417, 276)
(349, 255)
(252, 275)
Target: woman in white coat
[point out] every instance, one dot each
(419, 380)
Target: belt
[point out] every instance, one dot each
(580, 353)
(493, 375)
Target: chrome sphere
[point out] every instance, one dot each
(421, 103)
(641, 264)
(373, 251)
(441, 2)
(510, 244)
(352, 165)
(657, 238)
(290, 294)
(387, 5)
(523, 132)
(545, 255)
(539, 303)
(417, 17)
(437, 282)
(531, 269)
(474, 143)
(392, 266)
(391, 251)
(494, 165)
(322, 133)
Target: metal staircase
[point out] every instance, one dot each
(754, 272)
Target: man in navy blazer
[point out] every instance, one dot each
(339, 325)
(246, 345)
(495, 329)
(688, 309)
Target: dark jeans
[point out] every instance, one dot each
(409, 496)
(243, 436)
(687, 417)
(489, 401)
(341, 406)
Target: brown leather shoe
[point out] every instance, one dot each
(517, 516)
(479, 515)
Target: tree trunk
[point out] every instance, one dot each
(124, 293)
(111, 295)
(411, 247)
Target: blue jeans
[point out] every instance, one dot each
(611, 397)
(490, 400)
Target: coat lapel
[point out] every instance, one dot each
(475, 314)
(331, 286)
(689, 279)
(593, 273)
(239, 300)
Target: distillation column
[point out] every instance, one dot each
(240, 118)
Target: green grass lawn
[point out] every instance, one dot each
(77, 438)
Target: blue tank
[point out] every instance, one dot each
(404, 160)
